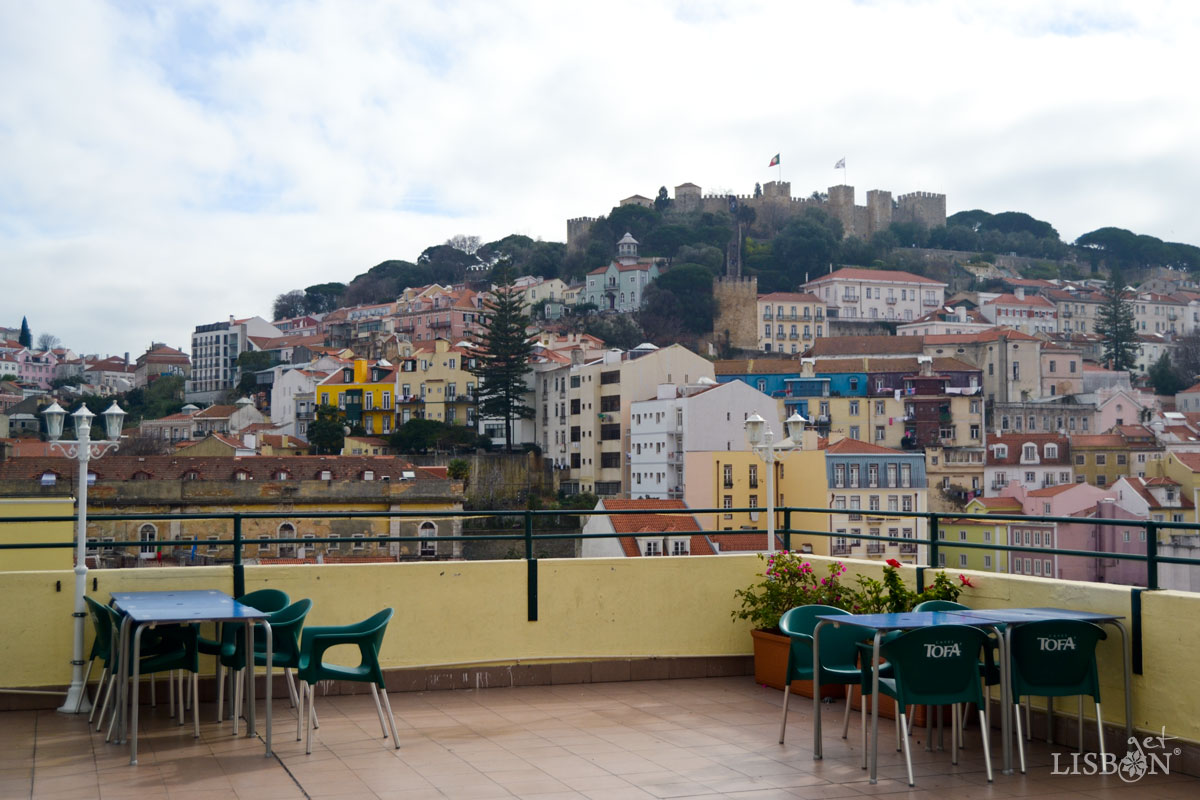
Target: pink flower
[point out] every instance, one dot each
(891, 562)
(966, 581)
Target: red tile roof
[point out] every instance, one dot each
(1027, 300)
(990, 335)
(1052, 491)
(867, 346)
(846, 447)
(886, 275)
(643, 524)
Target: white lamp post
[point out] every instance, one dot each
(83, 450)
(760, 437)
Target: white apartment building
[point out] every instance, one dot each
(704, 416)
(1077, 311)
(790, 321)
(1034, 460)
(599, 395)
(215, 351)
(858, 293)
(290, 382)
(1159, 313)
(945, 320)
(1030, 314)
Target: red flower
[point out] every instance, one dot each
(966, 581)
(891, 562)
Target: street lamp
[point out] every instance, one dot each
(83, 450)
(760, 437)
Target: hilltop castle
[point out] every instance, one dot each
(881, 210)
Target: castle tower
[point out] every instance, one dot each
(841, 206)
(879, 211)
(627, 249)
(687, 198)
(735, 318)
(777, 190)
(577, 231)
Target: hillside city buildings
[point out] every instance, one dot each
(914, 399)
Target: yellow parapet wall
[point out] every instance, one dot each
(14, 532)
(475, 612)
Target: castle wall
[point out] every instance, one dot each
(736, 301)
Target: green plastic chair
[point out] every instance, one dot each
(165, 648)
(839, 655)
(101, 649)
(933, 666)
(268, 600)
(285, 651)
(1056, 658)
(368, 637)
(988, 668)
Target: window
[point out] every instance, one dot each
(854, 408)
(872, 475)
(727, 502)
(987, 562)
(1051, 451)
(358, 543)
(652, 547)
(962, 559)
(906, 475)
(754, 476)
(727, 472)
(610, 432)
(854, 476)
(148, 533)
(855, 432)
(428, 533)
(680, 547)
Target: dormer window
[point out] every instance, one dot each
(241, 475)
(1001, 451)
(1051, 451)
(49, 479)
(1029, 452)
(368, 475)
(283, 475)
(191, 475)
(326, 475)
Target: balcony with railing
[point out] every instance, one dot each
(931, 302)
(635, 668)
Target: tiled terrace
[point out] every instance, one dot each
(699, 738)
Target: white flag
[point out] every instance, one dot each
(841, 164)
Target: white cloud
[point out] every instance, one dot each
(167, 165)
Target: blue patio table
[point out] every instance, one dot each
(1010, 617)
(880, 624)
(148, 609)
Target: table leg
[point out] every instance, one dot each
(875, 707)
(121, 709)
(250, 727)
(136, 658)
(1128, 662)
(817, 754)
(270, 669)
(1006, 699)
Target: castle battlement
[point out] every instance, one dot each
(574, 220)
(926, 195)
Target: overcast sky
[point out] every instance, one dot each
(164, 165)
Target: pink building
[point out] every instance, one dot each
(455, 316)
(858, 293)
(1104, 539)
(35, 367)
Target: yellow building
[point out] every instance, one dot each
(975, 531)
(365, 392)
(435, 384)
(737, 479)
(1184, 469)
(953, 473)
(171, 486)
(1100, 459)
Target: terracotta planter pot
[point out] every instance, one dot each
(770, 665)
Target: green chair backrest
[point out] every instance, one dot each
(838, 644)
(940, 605)
(269, 600)
(285, 639)
(102, 623)
(1055, 658)
(937, 665)
(366, 635)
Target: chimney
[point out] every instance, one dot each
(961, 311)
(1019, 292)
(808, 367)
(925, 364)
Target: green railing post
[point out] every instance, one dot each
(1151, 555)
(787, 529)
(933, 540)
(239, 570)
(531, 588)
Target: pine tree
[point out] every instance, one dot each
(502, 357)
(26, 337)
(1114, 321)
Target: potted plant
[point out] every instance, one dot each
(787, 581)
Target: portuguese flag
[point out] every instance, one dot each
(774, 160)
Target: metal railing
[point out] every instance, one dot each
(524, 533)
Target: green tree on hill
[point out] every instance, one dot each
(502, 358)
(25, 338)
(1114, 321)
